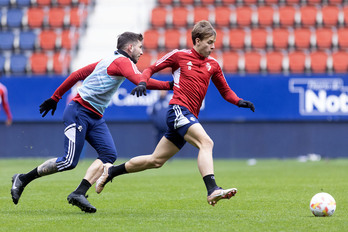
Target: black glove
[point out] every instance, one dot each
(246, 104)
(171, 84)
(140, 89)
(48, 105)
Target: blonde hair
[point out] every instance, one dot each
(202, 30)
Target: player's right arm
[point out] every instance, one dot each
(51, 103)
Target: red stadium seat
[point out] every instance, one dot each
(250, 2)
(308, 15)
(340, 62)
(200, 13)
(43, 2)
(333, 2)
(292, 2)
(189, 43)
(222, 16)
(48, 39)
(313, 2)
(243, 15)
(78, 16)
(230, 62)
(70, 39)
(330, 15)
(345, 14)
(237, 38)
(186, 2)
(265, 15)
(56, 17)
(38, 62)
(65, 2)
(287, 16)
(259, 38)
(172, 39)
(165, 2)
(302, 38)
(36, 17)
(297, 62)
(219, 38)
(61, 63)
(228, 2)
(159, 17)
(318, 62)
(145, 61)
(151, 39)
(280, 38)
(252, 62)
(324, 38)
(274, 62)
(180, 16)
(342, 34)
(207, 2)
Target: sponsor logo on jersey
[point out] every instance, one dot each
(208, 66)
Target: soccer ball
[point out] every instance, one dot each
(322, 205)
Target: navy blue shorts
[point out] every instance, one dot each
(179, 119)
(82, 124)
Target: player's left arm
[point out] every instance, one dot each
(227, 93)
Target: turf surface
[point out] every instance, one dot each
(273, 195)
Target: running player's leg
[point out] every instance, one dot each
(197, 136)
(73, 145)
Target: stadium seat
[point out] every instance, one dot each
(222, 16)
(302, 37)
(265, 16)
(65, 2)
(274, 62)
(2, 64)
(180, 16)
(220, 34)
(207, 2)
(5, 3)
(186, 2)
(48, 39)
(259, 38)
(145, 61)
(36, 17)
(237, 38)
(323, 38)
(200, 13)
(14, 18)
(313, 2)
(252, 62)
(271, 2)
(38, 63)
(345, 14)
(56, 17)
(292, 2)
(43, 2)
(151, 39)
(78, 16)
(61, 63)
(165, 2)
(280, 38)
(333, 2)
(308, 15)
(287, 16)
(172, 39)
(7, 40)
(70, 39)
(342, 34)
(18, 64)
(330, 15)
(340, 62)
(27, 40)
(230, 62)
(189, 43)
(244, 16)
(228, 2)
(297, 62)
(250, 2)
(23, 3)
(318, 62)
(159, 17)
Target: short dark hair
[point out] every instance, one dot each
(202, 30)
(128, 37)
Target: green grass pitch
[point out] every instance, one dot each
(273, 195)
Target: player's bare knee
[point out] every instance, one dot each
(157, 163)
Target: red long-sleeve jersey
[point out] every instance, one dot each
(121, 66)
(192, 74)
(4, 101)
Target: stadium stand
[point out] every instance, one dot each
(253, 35)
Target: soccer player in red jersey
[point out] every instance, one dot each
(5, 105)
(83, 117)
(192, 71)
